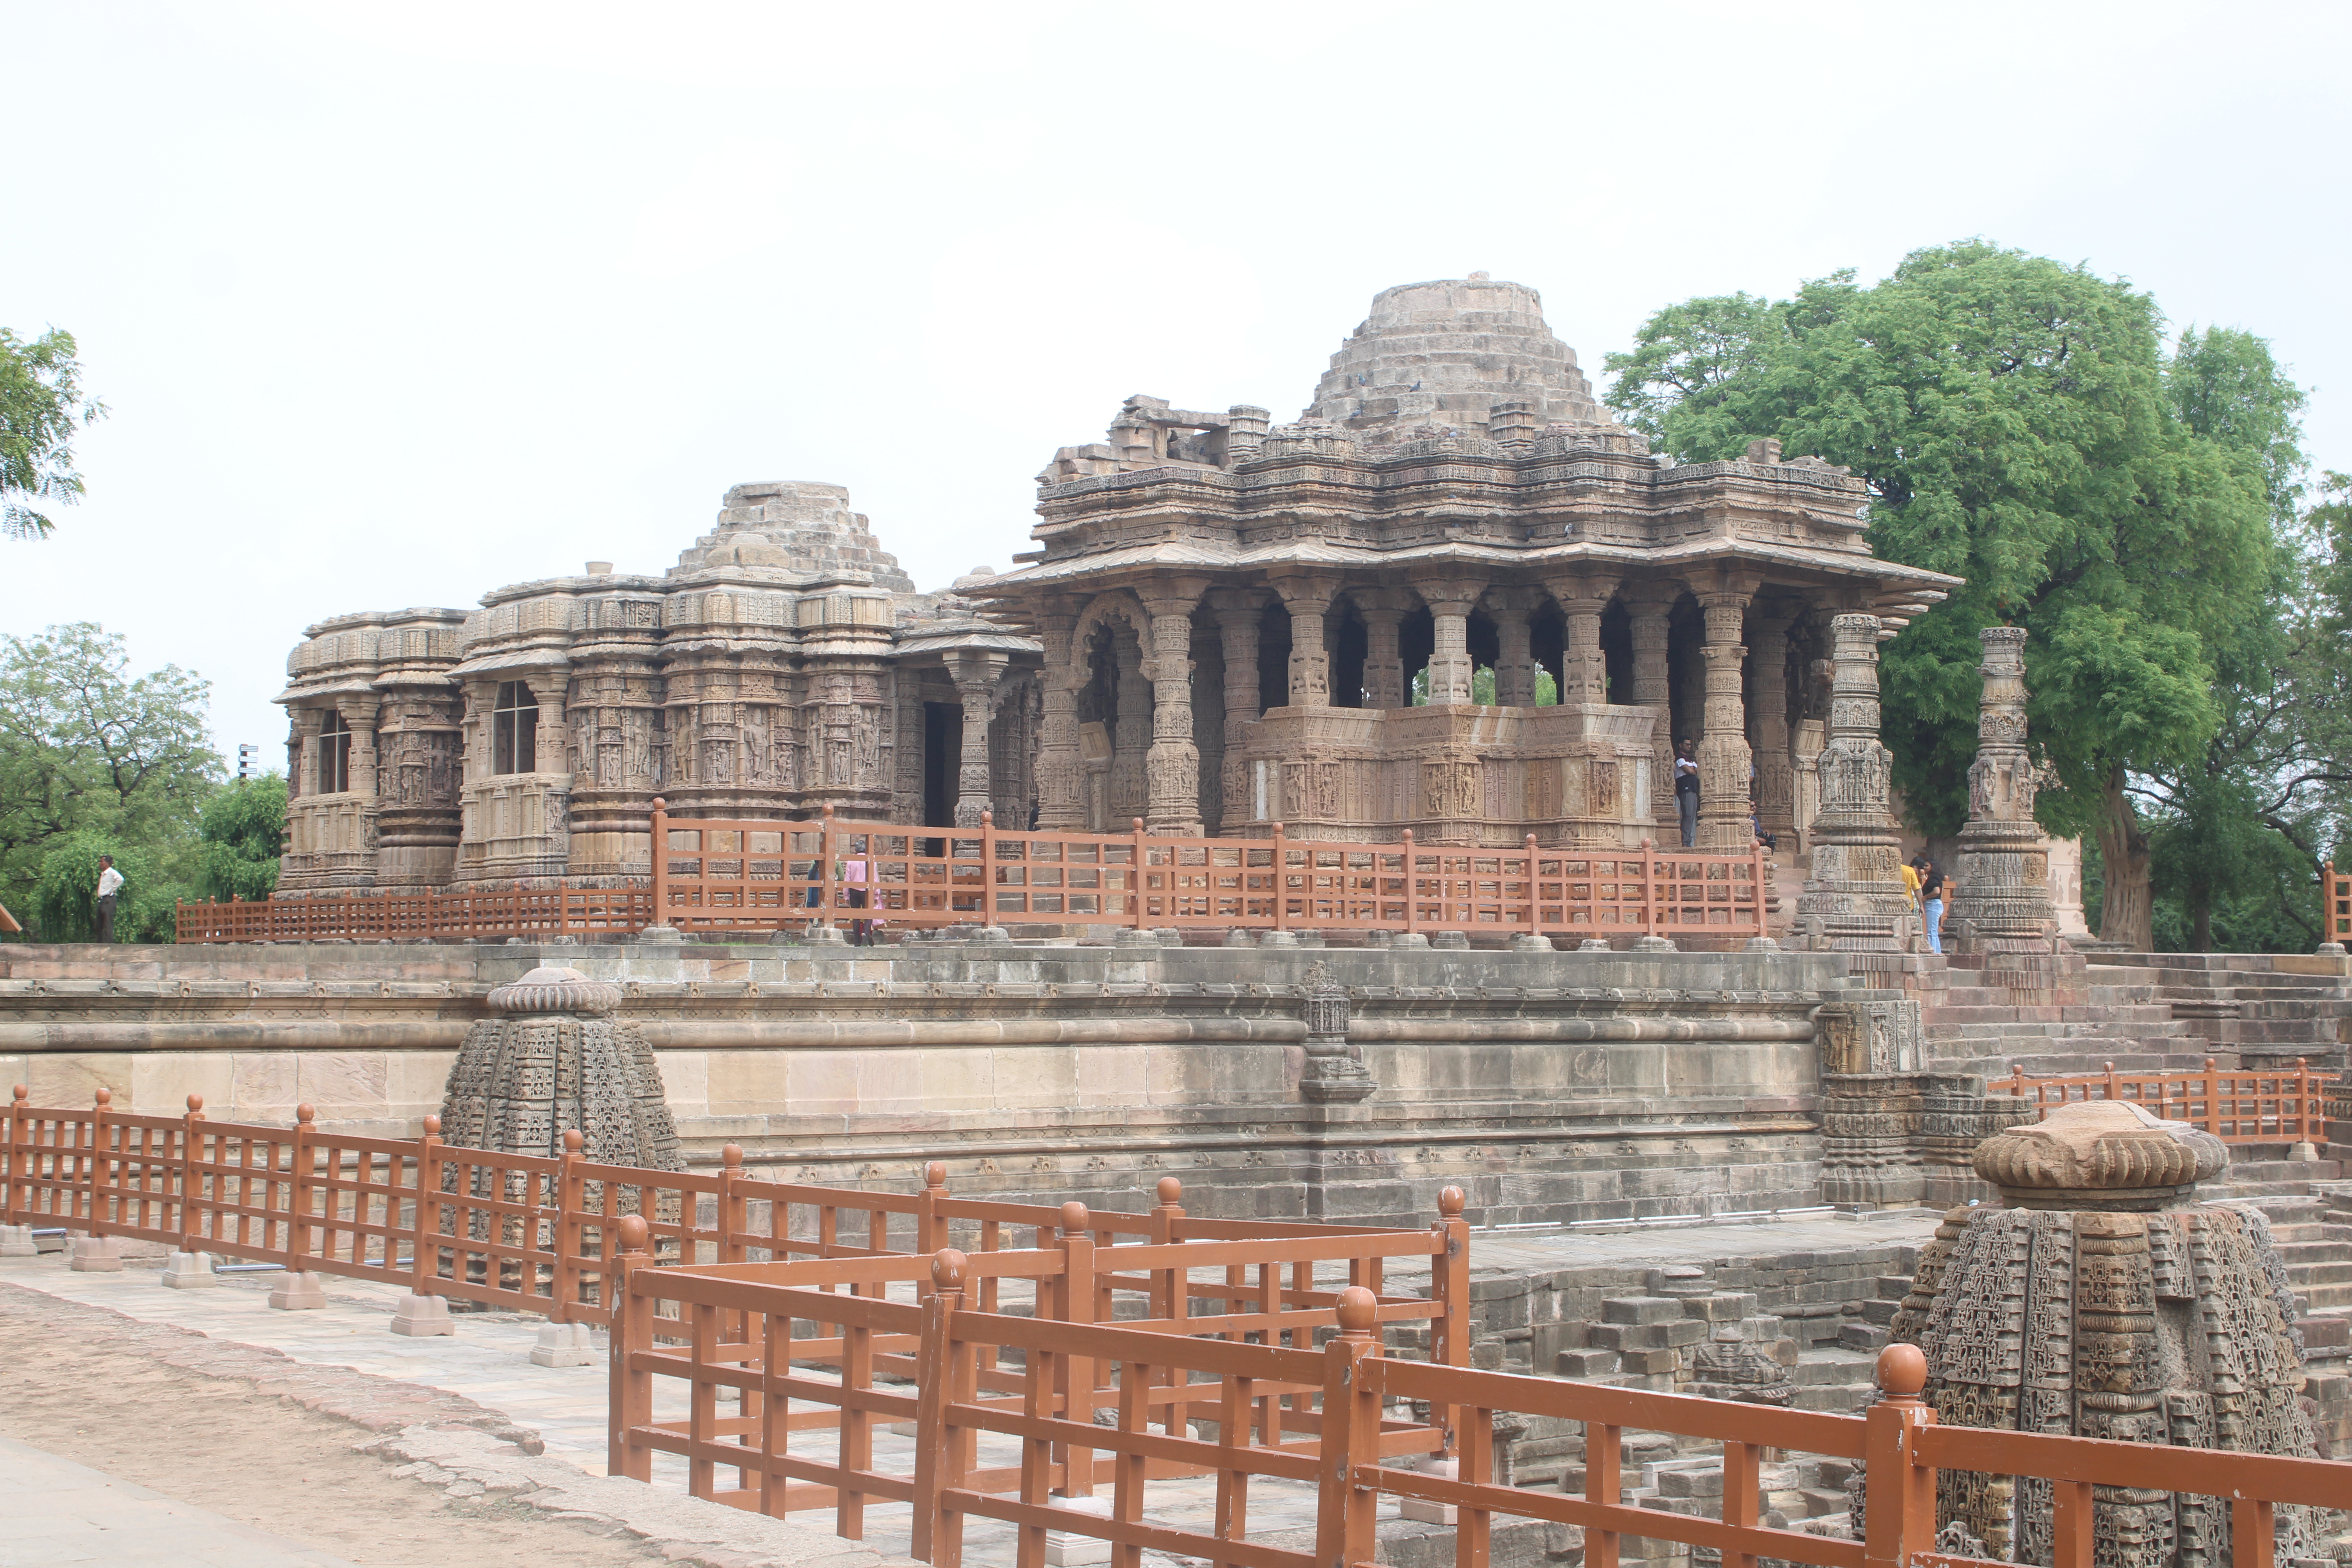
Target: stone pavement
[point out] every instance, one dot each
(53, 1510)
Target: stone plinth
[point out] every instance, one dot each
(558, 1062)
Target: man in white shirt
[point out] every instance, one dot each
(109, 883)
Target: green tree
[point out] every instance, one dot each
(64, 901)
(41, 401)
(87, 750)
(2012, 417)
(243, 831)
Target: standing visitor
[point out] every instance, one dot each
(1931, 899)
(1686, 792)
(110, 883)
(854, 878)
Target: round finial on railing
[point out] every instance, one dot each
(195, 1103)
(574, 1140)
(1450, 1202)
(1360, 1311)
(935, 1174)
(1172, 1192)
(1408, 837)
(947, 1269)
(826, 815)
(2208, 1064)
(1138, 824)
(305, 1114)
(987, 817)
(1902, 1371)
(433, 1127)
(2109, 1066)
(731, 1156)
(660, 804)
(104, 1098)
(1073, 1217)
(633, 1233)
(21, 1092)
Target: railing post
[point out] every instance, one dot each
(1649, 890)
(1756, 885)
(1171, 1301)
(1412, 901)
(1449, 1288)
(2303, 1101)
(987, 866)
(2213, 1122)
(631, 1400)
(1281, 880)
(930, 1225)
(661, 863)
(1345, 1513)
(1075, 1375)
(191, 1129)
(2111, 1079)
(570, 1187)
(1529, 885)
(16, 1205)
(1135, 869)
(938, 1536)
(424, 1261)
(1901, 1522)
(99, 1102)
(730, 1203)
(825, 863)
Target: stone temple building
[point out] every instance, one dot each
(1452, 597)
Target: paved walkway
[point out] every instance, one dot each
(53, 1510)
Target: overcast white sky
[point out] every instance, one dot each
(396, 304)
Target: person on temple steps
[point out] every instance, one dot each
(110, 883)
(1686, 792)
(1931, 900)
(857, 874)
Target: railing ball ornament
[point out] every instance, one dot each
(1074, 1218)
(1902, 1371)
(1360, 1311)
(574, 1140)
(104, 1098)
(433, 1127)
(633, 1233)
(947, 1269)
(1172, 1192)
(305, 1114)
(1450, 1202)
(732, 1155)
(195, 1103)
(935, 1174)
(22, 1092)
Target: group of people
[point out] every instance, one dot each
(1923, 883)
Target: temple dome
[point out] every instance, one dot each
(1446, 352)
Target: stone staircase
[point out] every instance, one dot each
(2263, 1008)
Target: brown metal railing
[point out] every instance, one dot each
(738, 875)
(2334, 904)
(2246, 1104)
(1008, 1413)
(536, 1234)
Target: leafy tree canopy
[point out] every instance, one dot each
(41, 401)
(242, 831)
(2019, 426)
(91, 755)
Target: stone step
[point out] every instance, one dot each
(1842, 1400)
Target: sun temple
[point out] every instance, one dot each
(1452, 597)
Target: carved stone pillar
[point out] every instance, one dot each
(1449, 659)
(907, 756)
(1583, 669)
(1776, 805)
(1723, 756)
(2001, 900)
(1131, 736)
(361, 717)
(1853, 901)
(1383, 666)
(1514, 665)
(1648, 605)
(1237, 611)
(976, 674)
(1308, 600)
(553, 744)
(307, 721)
(1061, 777)
(1173, 767)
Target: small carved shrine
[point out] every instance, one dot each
(558, 1059)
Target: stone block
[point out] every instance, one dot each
(96, 1255)
(1641, 1309)
(1706, 1483)
(1584, 1364)
(189, 1271)
(421, 1317)
(564, 1344)
(298, 1291)
(17, 1241)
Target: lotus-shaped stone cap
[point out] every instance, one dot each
(2099, 1154)
(550, 989)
